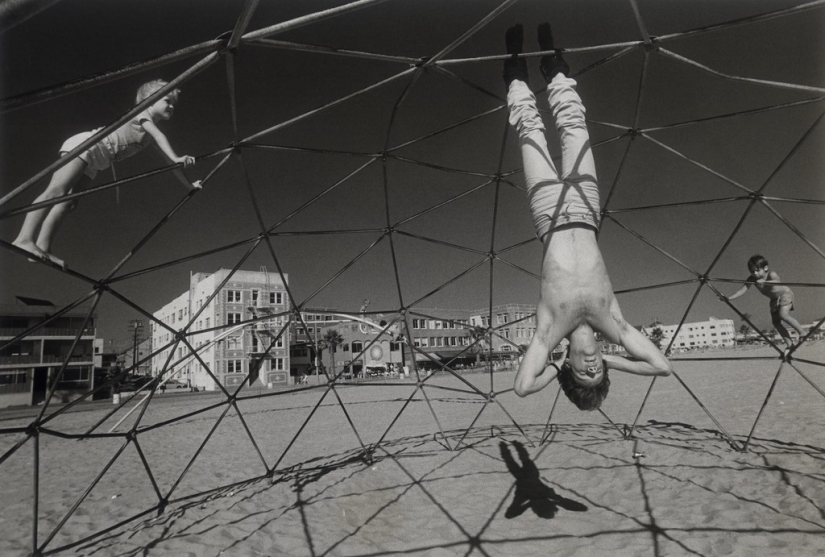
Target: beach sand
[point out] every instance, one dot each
(456, 474)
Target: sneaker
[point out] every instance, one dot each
(551, 64)
(514, 67)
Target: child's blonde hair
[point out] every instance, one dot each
(148, 88)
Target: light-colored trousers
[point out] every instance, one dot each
(573, 196)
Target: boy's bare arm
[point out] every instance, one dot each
(647, 359)
(748, 284)
(529, 382)
(533, 372)
(165, 148)
(164, 145)
(772, 277)
(196, 185)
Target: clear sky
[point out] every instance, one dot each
(73, 40)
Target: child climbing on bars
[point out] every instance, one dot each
(781, 298)
(40, 225)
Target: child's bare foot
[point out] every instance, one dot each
(32, 248)
(56, 260)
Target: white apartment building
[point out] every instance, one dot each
(714, 333)
(227, 331)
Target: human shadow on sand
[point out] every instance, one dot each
(531, 492)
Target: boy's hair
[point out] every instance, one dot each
(757, 262)
(585, 398)
(148, 88)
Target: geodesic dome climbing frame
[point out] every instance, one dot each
(388, 228)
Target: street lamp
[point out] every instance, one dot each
(136, 325)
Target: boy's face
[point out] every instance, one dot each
(759, 272)
(164, 108)
(585, 359)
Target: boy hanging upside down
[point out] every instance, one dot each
(576, 295)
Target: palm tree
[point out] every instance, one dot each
(332, 339)
(744, 327)
(656, 337)
(478, 341)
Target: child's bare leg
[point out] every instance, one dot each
(780, 328)
(785, 316)
(61, 182)
(51, 224)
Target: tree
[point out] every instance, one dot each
(478, 342)
(332, 339)
(657, 335)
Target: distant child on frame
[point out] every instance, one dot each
(781, 297)
(40, 225)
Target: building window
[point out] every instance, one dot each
(276, 298)
(233, 343)
(207, 323)
(357, 346)
(233, 296)
(14, 377)
(234, 366)
(233, 318)
(276, 364)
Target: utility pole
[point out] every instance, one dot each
(137, 326)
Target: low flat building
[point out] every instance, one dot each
(713, 333)
(29, 365)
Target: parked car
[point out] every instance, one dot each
(134, 382)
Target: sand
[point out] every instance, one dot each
(454, 475)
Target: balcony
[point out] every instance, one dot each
(47, 332)
(28, 359)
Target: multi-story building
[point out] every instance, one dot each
(437, 336)
(240, 329)
(713, 333)
(514, 324)
(28, 366)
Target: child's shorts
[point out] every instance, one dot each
(96, 157)
(554, 203)
(785, 299)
